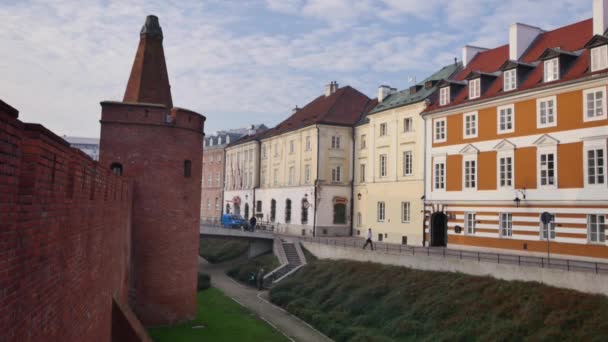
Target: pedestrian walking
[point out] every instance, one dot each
(252, 222)
(369, 239)
(260, 279)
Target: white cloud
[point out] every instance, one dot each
(240, 62)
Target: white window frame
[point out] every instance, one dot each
(505, 225)
(509, 79)
(381, 211)
(469, 223)
(473, 178)
(444, 136)
(599, 58)
(363, 142)
(551, 70)
(602, 106)
(362, 173)
(264, 152)
(439, 178)
(276, 150)
(545, 150)
(550, 229)
(291, 147)
(473, 129)
(444, 96)
(408, 163)
(292, 175)
(308, 147)
(359, 219)
(504, 155)
(383, 162)
(383, 129)
(499, 111)
(408, 125)
(595, 145)
(263, 177)
(307, 174)
(474, 88)
(405, 212)
(598, 240)
(539, 103)
(275, 177)
(335, 142)
(336, 175)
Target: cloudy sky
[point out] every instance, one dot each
(241, 62)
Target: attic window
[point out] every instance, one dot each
(510, 80)
(599, 58)
(474, 88)
(551, 70)
(444, 96)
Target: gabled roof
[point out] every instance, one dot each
(342, 108)
(405, 97)
(569, 40)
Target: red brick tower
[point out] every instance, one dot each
(144, 137)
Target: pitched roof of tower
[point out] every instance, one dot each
(342, 108)
(149, 80)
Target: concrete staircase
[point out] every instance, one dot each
(295, 260)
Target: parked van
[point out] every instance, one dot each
(233, 221)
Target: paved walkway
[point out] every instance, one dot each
(257, 302)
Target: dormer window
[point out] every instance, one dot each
(599, 58)
(551, 70)
(510, 80)
(444, 96)
(474, 88)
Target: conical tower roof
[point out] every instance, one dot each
(149, 80)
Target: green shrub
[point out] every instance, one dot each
(243, 271)
(204, 281)
(217, 250)
(355, 301)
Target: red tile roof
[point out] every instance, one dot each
(344, 108)
(568, 38)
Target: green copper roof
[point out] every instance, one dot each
(403, 97)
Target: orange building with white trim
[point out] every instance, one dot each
(523, 130)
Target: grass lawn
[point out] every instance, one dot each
(224, 320)
(242, 271)
(217, 250)
(355, 301)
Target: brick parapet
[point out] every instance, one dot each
(65, 237)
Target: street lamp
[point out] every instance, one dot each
(359, 196)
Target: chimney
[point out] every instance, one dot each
(468, 52)
(384, 91)
(520, 38)
(149, 81)
(331, 88)
(251, 130)
(600, 16)
(295, 109)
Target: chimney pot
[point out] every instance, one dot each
(520, 38)
(384, 91)
(468, 52)
(600, 16)
(331, 88)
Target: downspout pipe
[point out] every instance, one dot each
(314, 219)
(424, 118)
(352, 182)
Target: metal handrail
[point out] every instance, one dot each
(569, 265)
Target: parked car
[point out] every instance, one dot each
(233, 221)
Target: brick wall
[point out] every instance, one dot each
(65, 237)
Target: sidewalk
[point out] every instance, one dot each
(257, 302)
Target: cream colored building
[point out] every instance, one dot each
(306, 166)
(242, 176)
(389, 163)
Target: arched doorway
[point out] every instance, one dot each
(237, 209)
(439, 229)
